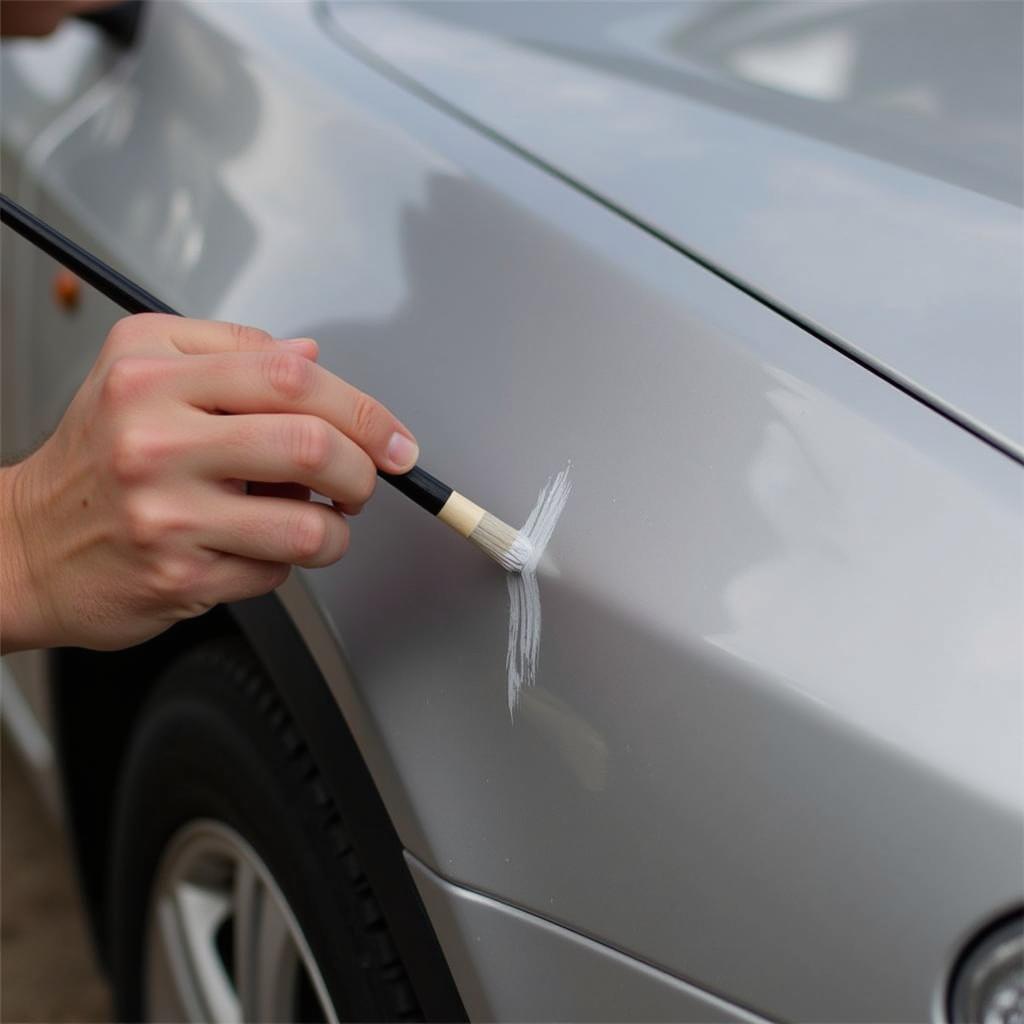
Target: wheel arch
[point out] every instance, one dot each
(94, 723)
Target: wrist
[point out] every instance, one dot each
(22, 624)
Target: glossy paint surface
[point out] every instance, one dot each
(512, 966)
(857, 163)
(774, 747)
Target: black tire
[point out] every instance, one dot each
(214, 741)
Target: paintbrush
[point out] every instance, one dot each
(495, 538)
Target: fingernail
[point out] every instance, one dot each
(403, 451)
(299, 342)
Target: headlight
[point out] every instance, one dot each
(988, 987)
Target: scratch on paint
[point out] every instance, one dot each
(524, 619)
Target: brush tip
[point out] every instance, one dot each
(518, 555)
(506, 545)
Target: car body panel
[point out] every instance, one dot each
(512, 966)
(775, 741)
(856, 164)
(41, 80)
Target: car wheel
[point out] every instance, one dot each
(234, 892)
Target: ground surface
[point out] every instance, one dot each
(47, 967)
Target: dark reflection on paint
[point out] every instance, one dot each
(688, 710)
(156, 169)
(564, 353)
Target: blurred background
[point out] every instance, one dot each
(48, 971)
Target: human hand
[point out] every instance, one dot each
(135, 513)
(41, 17)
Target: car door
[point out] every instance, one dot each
(771, 724)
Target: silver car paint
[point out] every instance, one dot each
(870, 152)
(40, 79)
(775, 743)
(527, 982)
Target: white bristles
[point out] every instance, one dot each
(506, 545)
(518, 555)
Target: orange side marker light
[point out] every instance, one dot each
(67, 290)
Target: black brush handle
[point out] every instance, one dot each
(102, 277)
(426, 490)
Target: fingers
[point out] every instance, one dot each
(277, 380)
(200, 337)
(235, 579)
(205, 337)
(237, 369)
(286, 448)
(296, 492)
(302, 533)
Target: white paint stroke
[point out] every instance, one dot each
(524, 618)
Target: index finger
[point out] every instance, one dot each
(204, 337)
(282, 381)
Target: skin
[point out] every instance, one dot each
(135, 513)
(41, 17)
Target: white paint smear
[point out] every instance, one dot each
(524, 592)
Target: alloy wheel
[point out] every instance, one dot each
(222, 943)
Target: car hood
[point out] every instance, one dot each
(857, 165)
